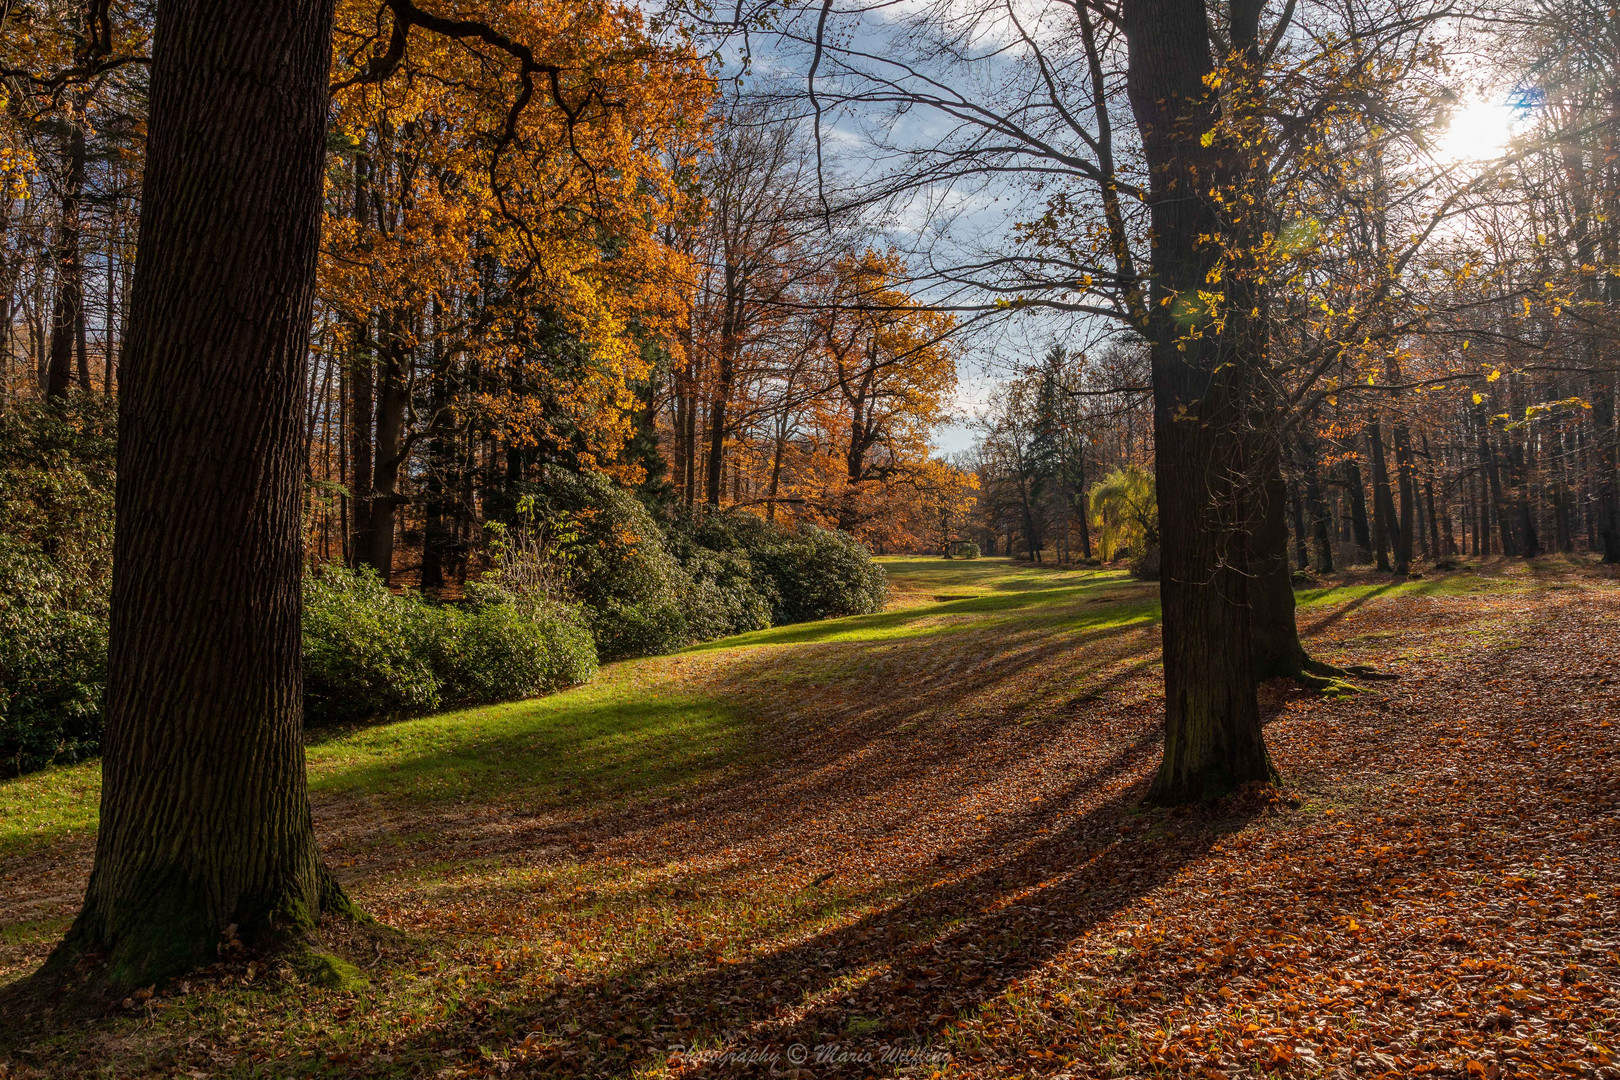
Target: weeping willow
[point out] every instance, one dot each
(1125, 512)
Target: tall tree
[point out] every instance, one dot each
(1203, 393)
(205, 818)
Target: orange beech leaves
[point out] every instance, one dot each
(533, 260)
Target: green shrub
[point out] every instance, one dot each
(500, 648)
(963, 549)
(367, 652)
(822, 575)
(618, 566)
(803, 574)
(53, 665)
(722, 595)
(56, 503)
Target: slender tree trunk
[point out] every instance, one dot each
(1276, 647)
(385, 496)
(1357, 495)
(438, 541)
(1493, 474)
(67, 308)
(1435, 550)
(205, 819)
(362, 406)
(1314, 503)
(1296, 507)
(1404, 473)
(1085, 517)
(1384, 521)
(718, 406)
(5, 341)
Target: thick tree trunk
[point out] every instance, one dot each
(205, 820)
(1213, 740)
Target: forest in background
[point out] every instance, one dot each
(710, 333)
(659, 298)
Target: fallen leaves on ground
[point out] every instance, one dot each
(942, 866)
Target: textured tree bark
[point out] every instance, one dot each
(205, 818)
(1213, 740)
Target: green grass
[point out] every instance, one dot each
(49, 806)
(965, 647)
(639, 729)
(618, 736)
(644, 728)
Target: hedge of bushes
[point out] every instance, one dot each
(56, 507)
(586, 572)
(648, 589)
(371, 652)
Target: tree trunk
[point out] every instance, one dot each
(1498, 500)
(1357, 495)
(205, 819)
(1604, 465)
(1385, 524)
(438, 539)
(1296, 507)
(1313, 503)
(1408, 492)
(1276, 645)
(362, 407)
(390, 456)
(67, 308)
(1213, 740)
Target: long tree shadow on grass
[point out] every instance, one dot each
(894, 976)
(841, 723)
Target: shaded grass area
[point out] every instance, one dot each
(847, 830)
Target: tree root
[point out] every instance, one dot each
(1328, 686)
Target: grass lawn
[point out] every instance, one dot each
(919, 834)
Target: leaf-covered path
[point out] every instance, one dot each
(911, 842)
